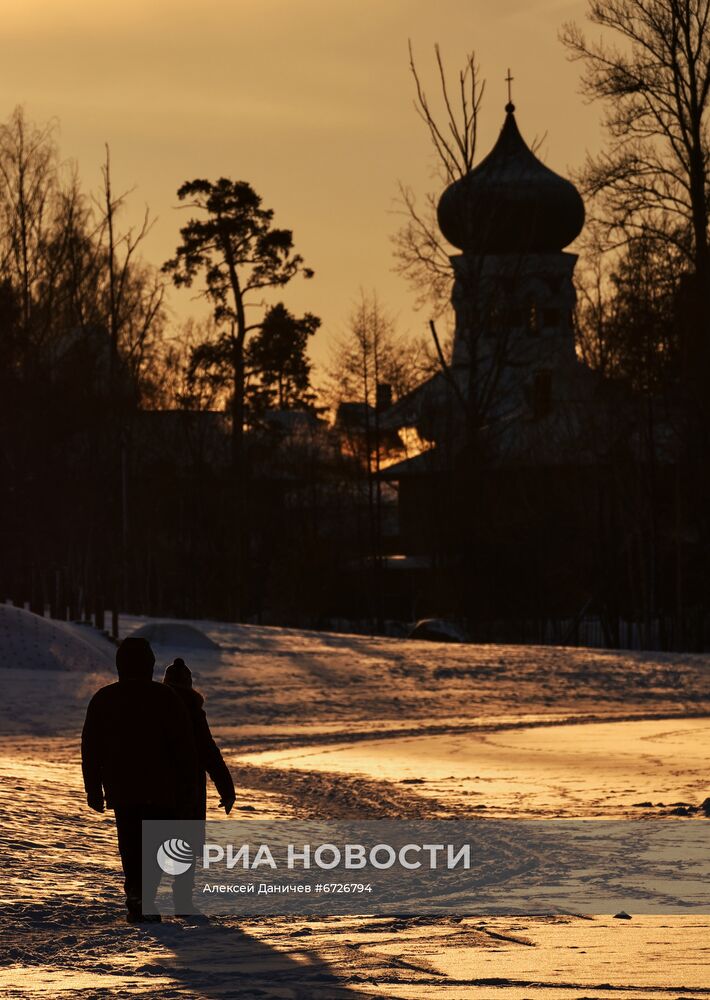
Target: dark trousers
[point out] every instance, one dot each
(183, 885)
(129, 827)
(129, 820)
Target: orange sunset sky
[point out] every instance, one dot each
(309, 101)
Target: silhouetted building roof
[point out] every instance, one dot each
(511, 202)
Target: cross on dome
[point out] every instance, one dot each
(509, 80)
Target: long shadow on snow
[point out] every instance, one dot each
(221, 960)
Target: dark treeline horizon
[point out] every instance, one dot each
(189, 470)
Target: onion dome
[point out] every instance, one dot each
(511, 202)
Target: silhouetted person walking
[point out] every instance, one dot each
(178, 677)
(138, 758)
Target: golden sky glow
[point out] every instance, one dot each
(310, 101)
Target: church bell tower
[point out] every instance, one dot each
(511, 217)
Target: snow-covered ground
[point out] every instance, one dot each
(330, 726)
(564, 771)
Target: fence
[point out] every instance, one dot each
(73, 613)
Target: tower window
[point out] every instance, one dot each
(551, 317)
(532, 319)
(503, 318)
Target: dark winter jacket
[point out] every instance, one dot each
(209, 758)
(137, 745)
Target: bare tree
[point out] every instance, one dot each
(454, 142)
(651, 71)
(29, 184)
(371, 365)
(134, 291)
(372, 351)
(76, 314)
(653, 77)
(421, 254)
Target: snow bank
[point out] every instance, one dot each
(175, 634)
(29, 642)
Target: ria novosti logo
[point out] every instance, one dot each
(175, 856)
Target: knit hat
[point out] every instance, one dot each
(178, 674)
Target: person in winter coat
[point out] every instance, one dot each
(138, 758)
(178, 677)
